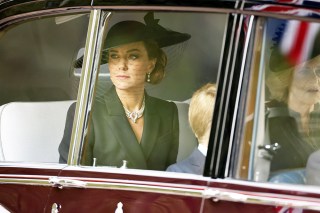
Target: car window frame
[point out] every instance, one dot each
(80, 131)
(254, 9)
(16, 13)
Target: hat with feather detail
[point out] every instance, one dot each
(126, 32)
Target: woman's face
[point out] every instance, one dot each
(128, 65)
(305, 85)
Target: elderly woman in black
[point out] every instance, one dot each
(294, 110)
(128, 124)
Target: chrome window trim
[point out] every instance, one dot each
(256, 116)
(262, 199)
(94, 183)
(90, 67)
(230, 67)
(214, 141)
(226, 89)
(10, 20)
(169, 9)
(300, 189)
(43, 181)
(136, 186)
(220, 113)
(239, 89)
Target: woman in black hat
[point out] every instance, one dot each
(128, 125)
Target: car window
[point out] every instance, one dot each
(159, 134)
(38, 85)
(282, 116)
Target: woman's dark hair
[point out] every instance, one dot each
(155, 52)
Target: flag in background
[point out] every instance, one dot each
(297, 40)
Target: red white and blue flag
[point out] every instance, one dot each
(285, 7)
(295, 39)
(298, 39)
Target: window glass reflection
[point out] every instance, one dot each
(290, 119)
(140, 116)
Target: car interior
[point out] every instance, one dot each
(275, 34)
(37, 92)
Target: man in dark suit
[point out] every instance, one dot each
(200, 118)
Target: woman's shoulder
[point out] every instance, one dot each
(160, 101)
(160, 104)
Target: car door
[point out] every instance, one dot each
(36, 90)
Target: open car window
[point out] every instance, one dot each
(162, 135)
(282, 115)
(38, 85)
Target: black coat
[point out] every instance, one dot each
(295, 145)
(112, 140)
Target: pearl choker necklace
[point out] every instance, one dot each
(135, 114)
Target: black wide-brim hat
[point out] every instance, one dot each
(126, 32)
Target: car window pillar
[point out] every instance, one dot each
(90, 67)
